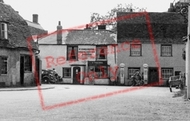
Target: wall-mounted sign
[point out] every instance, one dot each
(93, 63)
(86, 52)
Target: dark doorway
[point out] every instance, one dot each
(153, 75)
(76, 75)
(22, 70)
(37, 71)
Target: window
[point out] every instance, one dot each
(166, 50)
(72, 52)
(167, 72)
(3, 65)
(66, 72)
(135, 49)
(132, 70)
(101, 52)
(177, 73)
(3, 31)
(27, 63)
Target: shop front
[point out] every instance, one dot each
(100, 69)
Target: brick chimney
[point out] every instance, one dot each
(59, 33)
(35, 18)
(1, 1)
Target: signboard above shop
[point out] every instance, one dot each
(93, 63)
(86, 52)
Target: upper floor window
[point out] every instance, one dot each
(166, 50)
(72, 52)
(135, 50)
(3, 65)
(3, 31)
(101, 52)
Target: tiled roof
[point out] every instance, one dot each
(18, 30)
(166, 27)
(91, 37)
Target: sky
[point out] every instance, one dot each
(74, 13)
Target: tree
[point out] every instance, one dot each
(99, 19)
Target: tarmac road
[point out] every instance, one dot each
(148, 104)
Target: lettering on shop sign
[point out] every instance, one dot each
(86, 53)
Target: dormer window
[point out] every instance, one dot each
(3, 30)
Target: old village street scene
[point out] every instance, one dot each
(125, 60)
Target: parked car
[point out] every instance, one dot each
(50, 76)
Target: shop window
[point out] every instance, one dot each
(66, 72)
(166, 50)
(101, 52)
(132, 70)
(167, 72)
(72, 52)
(3, 31)
(3, 65)
(27, 63)
(135, 49)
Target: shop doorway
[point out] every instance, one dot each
(76, 75)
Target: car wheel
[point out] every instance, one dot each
(45, 80)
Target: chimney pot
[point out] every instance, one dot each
(35, 18)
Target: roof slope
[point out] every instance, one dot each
(166, 27)
(18, 30)
(36, 29)
(90, 37)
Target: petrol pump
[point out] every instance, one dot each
(145, 73)
(122, 73)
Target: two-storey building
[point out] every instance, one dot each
(16, 51)
(157, 45)
(75, 53)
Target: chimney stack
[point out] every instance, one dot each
(35, 18)
(1, 1)
(59, 33)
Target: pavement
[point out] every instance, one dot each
(42, 87)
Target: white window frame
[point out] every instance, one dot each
(166, 50)
(132, 70)
(167, 72)
(3, 31)
(65, 72)
(135, 50)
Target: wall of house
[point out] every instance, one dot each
(12, 78)
(153, 58)
(51, 54)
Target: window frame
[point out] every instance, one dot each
(63, 72)
(168, 69)
(3, 32)
(135, 69)
(131, 47)
(98, 47)
(68, 53)
(161, 50)
(2, 65)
